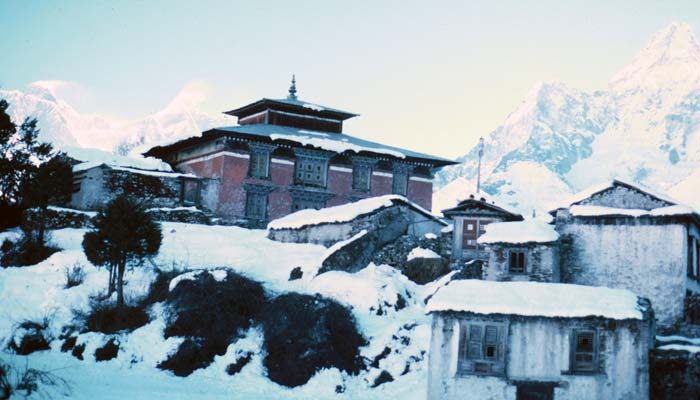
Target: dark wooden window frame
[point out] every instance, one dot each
(482, 348)
(517, 261)
(585, 351)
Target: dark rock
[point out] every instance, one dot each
(78, 351)
(380, 356)
(69, 343)
(295, 274)
(383, 378)
(236, 367)
(108, 351)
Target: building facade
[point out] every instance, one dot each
(621, 235)
(470, 218)
(287, 155)
(542, 341)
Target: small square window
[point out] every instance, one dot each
(470, 227)
(516, 262)
(584, 350)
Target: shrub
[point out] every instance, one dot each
(78, 351)
(210, 314)
(28, 381)
(6, 245)
(74, 275)
(30, 336)
(69, 343)
(160, 287)
(27, 252)
(108, 318)
(192, 354)
(304, 334)
(108, 351)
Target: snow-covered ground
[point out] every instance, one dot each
(38, 291)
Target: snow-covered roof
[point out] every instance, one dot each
(528, 231)
(343, 213)
(593, 190)
(89, 165)
(94, 157)
(470, 198)
(600, 211)
(536, 299)
(329, 141)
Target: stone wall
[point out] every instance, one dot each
(59, 218)
(675, 374)
(538, 350)
(624, 197)
(541, 262)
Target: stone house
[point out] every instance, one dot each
(94, 185)
(390, 216)
(622, 235)
(288, 155)
(544, 341)
(469, 218)
(521, 251)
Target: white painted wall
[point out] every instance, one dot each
(650, 260)
(537, 349)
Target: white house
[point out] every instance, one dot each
(544, 341)
(622, 235)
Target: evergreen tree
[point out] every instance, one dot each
(51, 183)
(20, 153)
(124, 234)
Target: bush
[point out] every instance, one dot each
(160, 287)
(78, 351)
(108, 318)
(30, 336)
(69, 343)
(193, 354)
(108, 351)
(74, 276)
(27, 252)
(296, 274)
(210, 313)
(27, 382)
(304, 334)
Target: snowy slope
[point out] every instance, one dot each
(37, 291)
(63, 125)
(644, 126)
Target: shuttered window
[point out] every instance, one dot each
(482, 348)
(259, 165)
(310, 171)
(256, 205)
(584, 354)
(361, 177)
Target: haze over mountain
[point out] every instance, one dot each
(644, 126)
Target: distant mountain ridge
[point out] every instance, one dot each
(65, 127)
(644, 127)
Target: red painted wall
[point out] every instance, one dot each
(233, 174)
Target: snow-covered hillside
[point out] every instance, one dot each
(64, 126)
(38, 291)
(644, 126)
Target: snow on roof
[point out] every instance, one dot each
(342, 213)
(89, 165)
(420, 252)
(536, 299)
(595, 211)
(595, 189)
(528, 231)
(331, 141)
(94, 157)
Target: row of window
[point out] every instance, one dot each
(312, 171)
(482, 349)
(256, 205)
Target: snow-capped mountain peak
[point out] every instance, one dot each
(645, 128)
(672, 55)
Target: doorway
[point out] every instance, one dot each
(535, 391)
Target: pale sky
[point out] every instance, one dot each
(429, 76)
